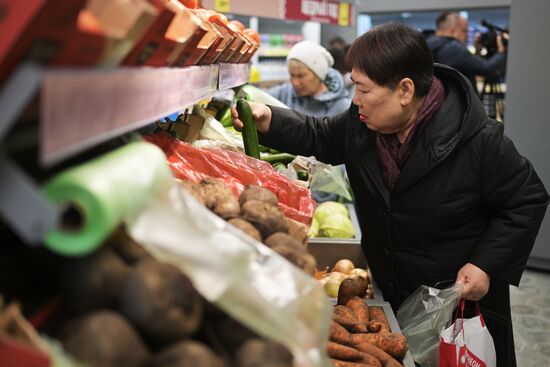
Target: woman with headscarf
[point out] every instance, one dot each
(315, 88)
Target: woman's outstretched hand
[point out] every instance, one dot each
(261, 114)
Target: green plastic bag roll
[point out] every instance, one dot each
(97, 196)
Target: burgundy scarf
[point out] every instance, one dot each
(393, 155)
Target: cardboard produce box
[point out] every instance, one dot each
(392, 320)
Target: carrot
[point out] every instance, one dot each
(360, 309)
(392, 343)
(337, 363)
(377, 327)
(344, 353)
(345, 317)
(339, 334)
(383, 357)
(371, 360)
(376, 313)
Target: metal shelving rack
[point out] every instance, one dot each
(90, 106)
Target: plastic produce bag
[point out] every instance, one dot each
(237, 171)
(422, 316)
(330, 179)
(246, 279)
(214, 130)
(257, 95)
(324, 177)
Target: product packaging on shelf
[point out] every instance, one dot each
(254, 39)
(165, 38)
(232, 48)
(218, 21)
(197, 47)
(58, 33)
(239, 46)
(123, 22)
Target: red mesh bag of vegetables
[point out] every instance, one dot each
(237, 170)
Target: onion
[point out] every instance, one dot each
(360, 272)
(331, 287)
(344, 266)
(336, 275)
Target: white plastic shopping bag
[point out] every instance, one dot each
(467, 343)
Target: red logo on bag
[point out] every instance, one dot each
(467, 359)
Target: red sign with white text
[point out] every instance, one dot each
(330, 12)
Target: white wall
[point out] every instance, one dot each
(527, 115)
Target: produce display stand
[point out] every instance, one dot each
(105, 104)
(82, 108)
(392, 321)
(327, 251)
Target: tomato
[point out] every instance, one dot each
(252, 35)
(236, 26)
(191, 4)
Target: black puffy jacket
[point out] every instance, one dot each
(464, 195)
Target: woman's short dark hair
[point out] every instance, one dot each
(390, 52)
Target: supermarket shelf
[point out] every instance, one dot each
(17, 92)
(22, 204)
(91, 106)
(233, 75)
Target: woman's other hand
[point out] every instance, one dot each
(261, 114)
(476, 282)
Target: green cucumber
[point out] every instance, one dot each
(226, 118)
(280, 157)
(302, 175)
(250, 134)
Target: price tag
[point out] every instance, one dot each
(222, 6)
(343, 14)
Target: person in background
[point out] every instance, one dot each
(339, 56)
(337, 42)
(448, 46)
(315, 88)
(442, 195)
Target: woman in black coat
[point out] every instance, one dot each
(442, 194)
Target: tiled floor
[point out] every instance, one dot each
(531, 319)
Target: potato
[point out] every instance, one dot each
(254, 192)
(192, 188)
(218, 198)
(264, 216)
(161, 302)
(283, 239)
(127, 249)
(186, 353)
(263, 353)
(350, 288)
(300, 258)
(94, 281)
(104, 339)
(231, 333)
(247, 228)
